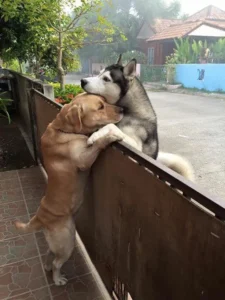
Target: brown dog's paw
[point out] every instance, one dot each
(60, 280)
(19, 225)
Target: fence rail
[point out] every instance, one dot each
(158, 73)
(143, 225)
(153, 73)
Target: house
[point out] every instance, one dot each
(157, 40)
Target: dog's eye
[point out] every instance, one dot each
(106, 79)
(101, 106)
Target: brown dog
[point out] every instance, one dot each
(67, 156)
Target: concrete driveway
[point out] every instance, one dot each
(194, 127)
(73, 78)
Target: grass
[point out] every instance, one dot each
(195, 90)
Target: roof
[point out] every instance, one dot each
(175, 31)
(160, 24)
(178, 31)
(218, 24)
(209, 12)
(170, 29)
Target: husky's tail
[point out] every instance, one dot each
(177, 164)
(33, 225)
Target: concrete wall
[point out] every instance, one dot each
(210, 77)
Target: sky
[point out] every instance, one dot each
(192, 6)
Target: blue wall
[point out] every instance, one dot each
(210, 77)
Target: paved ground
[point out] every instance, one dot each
(73, 78)
(22, 274)
(194, 126)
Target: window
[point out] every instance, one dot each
(151, 56)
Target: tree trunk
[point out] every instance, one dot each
(61, 72)
(21, 69)
(37, 68)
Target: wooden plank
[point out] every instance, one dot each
(142, 235)
(159, 244)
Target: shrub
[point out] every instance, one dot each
(65, 96)
(3, 107)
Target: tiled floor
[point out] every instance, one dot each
(21, 256)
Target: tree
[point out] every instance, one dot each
(10, 31)
(24, 42)
(128, 15)
(67, 30)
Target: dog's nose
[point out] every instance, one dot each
(83, 82)
(121, 110)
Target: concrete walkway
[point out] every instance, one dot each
(194, 126)
(22, 256)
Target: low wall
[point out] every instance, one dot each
(210, 77)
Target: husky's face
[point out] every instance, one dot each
(112, 83)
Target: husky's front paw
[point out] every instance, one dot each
(110, 131)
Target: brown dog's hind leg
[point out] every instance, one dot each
(33, 225)
(61, 243)
(48, 261)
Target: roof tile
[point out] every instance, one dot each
(175, 31)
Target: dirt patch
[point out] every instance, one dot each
(14, 153)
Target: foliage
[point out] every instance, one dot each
(218, 51)
(184, 16)
(20, 40)
(3, 107)
(140, 57)
(49, 23)
(128, 16)
(171, 74)
(127, 56)
(182, 53)
(195, 52)
(148, 10)
(66, 95)
(187, 52)
(12, 65)
(70, 61)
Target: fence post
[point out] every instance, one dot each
(31, 105)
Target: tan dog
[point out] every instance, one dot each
(67, 157)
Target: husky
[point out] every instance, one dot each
(119, 85)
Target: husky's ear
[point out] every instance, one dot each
(130, 69)
(119, 60)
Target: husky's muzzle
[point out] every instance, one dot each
(83, 83)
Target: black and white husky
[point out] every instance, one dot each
(119, 85)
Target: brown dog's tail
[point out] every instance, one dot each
(31, 226)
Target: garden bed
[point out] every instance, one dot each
(67, 95)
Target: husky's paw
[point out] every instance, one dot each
(110, 131)
(60, 280)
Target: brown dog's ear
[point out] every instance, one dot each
(74, 115)
(119, 60)
(130, 69)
